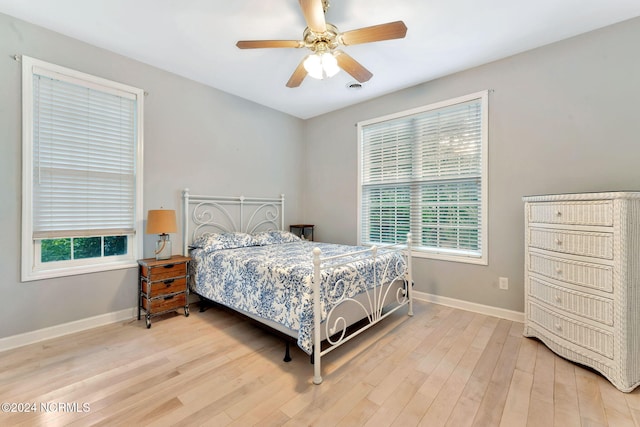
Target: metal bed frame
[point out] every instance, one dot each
(214, 214)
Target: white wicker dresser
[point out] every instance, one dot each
(582, 280)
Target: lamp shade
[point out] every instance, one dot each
(161, 221)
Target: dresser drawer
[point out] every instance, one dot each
(165, 287)
(163, 272)
(581, 334)
(165, 303)
(568, 300)
(592, 276)
(585, 243)
(576, 213)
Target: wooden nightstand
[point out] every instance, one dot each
(304, 231)
(162, 286)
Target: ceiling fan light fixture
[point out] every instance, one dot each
(321, 65)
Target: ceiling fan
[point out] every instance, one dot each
(323, 39)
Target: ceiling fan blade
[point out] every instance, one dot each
(298, 76)
(258, 44)
(353, 67)
(314, 15)
(388, 31)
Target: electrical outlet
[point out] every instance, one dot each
(503, 283)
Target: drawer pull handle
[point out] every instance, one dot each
(558, 299)
(558, 213)
(169, 281)
(559, 271)
(558, 327)
(169, 297)
(168, 266)
(558, 242)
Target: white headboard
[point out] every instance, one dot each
(215, 214)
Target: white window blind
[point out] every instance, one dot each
(424, 172)
(81, 172)
(84, 143)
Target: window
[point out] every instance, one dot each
(424, 171)
(82, 172)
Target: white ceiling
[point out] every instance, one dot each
(196, 39)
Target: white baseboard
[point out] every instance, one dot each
(502, 313)
(14, 341)
(130, 313)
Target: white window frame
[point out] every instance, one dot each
(32, 268)
(442, 253)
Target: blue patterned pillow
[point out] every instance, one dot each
(274, 237)
(210, 242)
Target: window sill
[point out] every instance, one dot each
(466, 259)
(30, 275)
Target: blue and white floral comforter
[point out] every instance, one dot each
(275, 281)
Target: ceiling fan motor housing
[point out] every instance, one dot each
(328, 39)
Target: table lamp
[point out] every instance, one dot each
(162, 222)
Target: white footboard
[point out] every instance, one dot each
(390, 291)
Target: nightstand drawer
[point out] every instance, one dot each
(576, 213)
(165, 303)
(165, 287)
(585, 243)
(163, 272)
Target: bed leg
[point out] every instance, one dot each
(410, 295)
(409, 275)
(287, 354)
(203, 303)
(317, 370)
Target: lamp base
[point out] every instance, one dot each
(163, 247)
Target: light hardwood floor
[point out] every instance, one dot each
(443, 367)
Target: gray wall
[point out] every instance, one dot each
(195, 137)
(562, 118)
